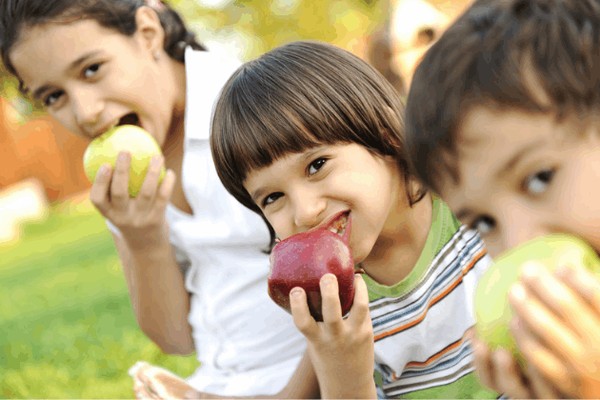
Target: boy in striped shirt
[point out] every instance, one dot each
(502, 122)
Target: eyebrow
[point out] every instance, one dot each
(509, 165)
(73, 66)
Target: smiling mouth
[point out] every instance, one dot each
(338, 226)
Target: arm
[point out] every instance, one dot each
(157, 383)
(341, 351)
(155, 283)
(156, 287)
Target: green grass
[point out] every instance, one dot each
(67, 329)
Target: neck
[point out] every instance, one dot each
(173, 145)
(400, 244)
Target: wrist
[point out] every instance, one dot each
(344, 388)
(148, 239)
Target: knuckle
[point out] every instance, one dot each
(303, 324)
(361, 307)
(146, 195)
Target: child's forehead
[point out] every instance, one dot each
(483, 125)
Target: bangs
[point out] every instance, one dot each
(262, 128)
(297, 97)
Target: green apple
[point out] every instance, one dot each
(493, 312)
(105, 148)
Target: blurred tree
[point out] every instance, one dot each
(252, 27)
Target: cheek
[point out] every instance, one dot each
(279, 226)
(65, 118)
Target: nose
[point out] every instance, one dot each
(308, 210)
(87, 109)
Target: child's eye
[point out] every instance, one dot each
(316, 165)
(52, 98)
(483, 225)
(91, 70)
(270, 199)
(538, 182)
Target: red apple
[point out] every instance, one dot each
(302, 259)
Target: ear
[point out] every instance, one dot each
(149, 30)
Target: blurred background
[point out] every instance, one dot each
(66, 325)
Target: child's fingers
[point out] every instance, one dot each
(330, 300)
(119, 192)
(560, 299)
(583, 282)
(149, 187)
(100, 188)
(161, 383)
(539, 385)
(165, 190)
(538, 321)
(303, 320)
(482, 360)
(360, 306)
(549, 366)
(141, 392)
(508, 376)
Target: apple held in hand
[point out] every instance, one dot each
(131, 138)
(493, 312)
(301, 260)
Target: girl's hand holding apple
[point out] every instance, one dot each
(341, 350)
(130, 188)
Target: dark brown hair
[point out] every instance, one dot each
(539, 56)
(296, 97)
(18, 15)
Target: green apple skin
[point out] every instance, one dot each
(105, 148)
(493, 312)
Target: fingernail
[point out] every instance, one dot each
(530, 271)
(562, 271)
(156, 160)
(327, 279)
(518, 293)
(514, 324)
(123, 156)
(295, 292)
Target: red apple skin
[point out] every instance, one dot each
(301, 260)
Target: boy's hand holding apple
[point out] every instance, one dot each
(555, 331)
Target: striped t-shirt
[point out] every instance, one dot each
(420, 323)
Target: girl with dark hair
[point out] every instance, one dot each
(309, 136)
(193, 257)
